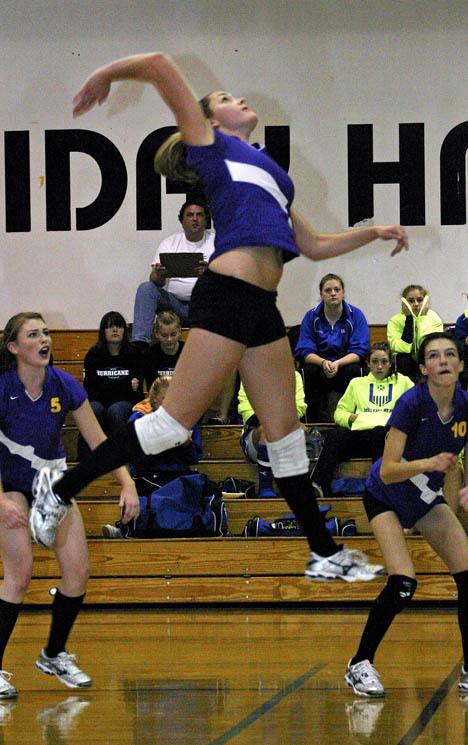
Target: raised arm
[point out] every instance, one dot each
(159, 70)
(393, 469)
(317, 246)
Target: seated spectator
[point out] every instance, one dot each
(361, 417)
(150, 472)
(333, 343)
(407, 329)
(253, 441)
(161, 293)
(461, 335)
(112, 376)
(161, 358)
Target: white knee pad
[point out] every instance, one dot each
(288, 456)
(159, 431)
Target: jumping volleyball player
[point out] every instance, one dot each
(428, 428)
(233, 315)
(34, 401)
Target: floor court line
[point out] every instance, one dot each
(266, 706)
(431, 707)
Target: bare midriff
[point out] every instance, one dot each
(260, 265)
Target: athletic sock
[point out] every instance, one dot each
(8, 617)
(118, 450)
(461, 579)
(299, 494)
(380, 618)
(64, 612)
(379, 621)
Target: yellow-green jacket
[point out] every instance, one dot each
(422, 326)
(246, 411)
(372, 399)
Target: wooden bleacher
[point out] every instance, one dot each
(71, 345)
(215, 570)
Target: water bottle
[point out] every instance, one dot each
(315, 444)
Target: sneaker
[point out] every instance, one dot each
(47, 510)
(6, 689)
(463, 682)
(64, 668)
(364, 679)
(348, 565)
(112, 531)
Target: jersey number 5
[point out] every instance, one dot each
(55, 405)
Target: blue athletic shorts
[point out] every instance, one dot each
(374, 507)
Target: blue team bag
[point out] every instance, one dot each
(188, 506)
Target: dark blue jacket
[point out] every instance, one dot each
(349, 334)
(461, 329)
(174, 461)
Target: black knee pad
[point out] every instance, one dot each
(461, 579)
(398, 592)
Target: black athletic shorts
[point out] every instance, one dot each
(27, 494)
(235, 309)
(373, 506)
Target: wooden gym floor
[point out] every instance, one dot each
(241, 676)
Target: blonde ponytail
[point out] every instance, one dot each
(170, 161)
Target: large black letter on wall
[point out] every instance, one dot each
(148, 181)
(363, 173)
(453, 176)
(17, 183)
(59, 143)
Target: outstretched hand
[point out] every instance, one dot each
(393, 232)
(95, 91)
(129, 503)
(442, 462)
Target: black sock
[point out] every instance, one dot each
(64, 613)
(8, 616)
(379, 621)
(299, 494)
(384, 609)
(118, 450)
(461, 579)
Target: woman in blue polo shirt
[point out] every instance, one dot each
(428, 429)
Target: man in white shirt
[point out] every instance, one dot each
(160, 293)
